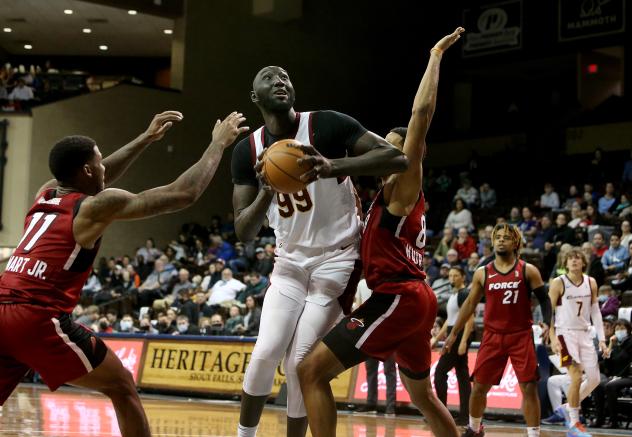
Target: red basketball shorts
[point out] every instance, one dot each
(387, 325)
(497, 348)
(42, 339)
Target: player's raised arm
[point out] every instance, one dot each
(467, 309)
(117, 163)
(402, 191)
(97, 212)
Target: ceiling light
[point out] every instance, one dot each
(28, 46)
(87, 30)
(132, 12)
(103, 47)
(168, 31)
(7, 29)
(68, 11)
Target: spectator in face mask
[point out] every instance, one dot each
(608, 301)
(164, 325)
(104, 325)
(184, 327)
(127, 324)
(217, 325)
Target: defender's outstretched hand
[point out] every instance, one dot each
(447, 41)
(226, 132)
(161, 124)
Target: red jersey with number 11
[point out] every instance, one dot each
(48, 267)
(507, 299)
(393, 247)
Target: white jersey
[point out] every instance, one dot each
(573, 307)
(325, 214)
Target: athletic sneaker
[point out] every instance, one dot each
(366, 409)
(562, 411)
(469, 432)
(554, 419)
(577, 430)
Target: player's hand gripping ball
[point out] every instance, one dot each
(280, 167)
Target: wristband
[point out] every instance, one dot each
(437, 49)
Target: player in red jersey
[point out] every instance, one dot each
(43, 278)
(507, 284)
(399, 315)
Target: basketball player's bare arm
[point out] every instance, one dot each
(98, 211)
(536, 285)
(117, 163)
(371, 155)
(555, 291)
(595, 315)
(401, 191)
(467, 309)
(250, 205)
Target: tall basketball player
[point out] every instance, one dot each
(575, 303)
(399, 315)
(317, 233)
(507, 283)
(43, 279)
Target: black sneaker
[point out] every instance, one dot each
(469, 432)
(366, 409)
(389, 412)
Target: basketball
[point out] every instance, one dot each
(281, 169)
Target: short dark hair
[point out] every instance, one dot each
(68, 156)
(625, 324)
(401, 131)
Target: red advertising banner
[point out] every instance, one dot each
(66, 414)
(506, 395)
(129, 352)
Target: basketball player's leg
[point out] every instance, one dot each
(315, 321)
(281, 310)
(114, 381)
(524, 360)
(11, 373)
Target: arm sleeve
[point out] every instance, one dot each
(336, 133)
(242, 165)
(595, 315)
(545, 303)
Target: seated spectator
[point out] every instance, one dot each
(617, 367)
(92, 285)
(112, 317)
(615, 258)
(90, 316)
(436, 329)
(607, 202)
(431, 270)
(599, 244)
(573, 198)
(595, 269)
(488, 196)
(197, 254)
(514, 216)
(226, 289)
(623, 279)
(149, 252)
(549, 199)
(145, 326)
(240, 262)
(563, 234)
(186, 306)
(459, 217)
(590, 196)
(624, 208)
(626, 177)
(626, 233)
(183, 284)
(464, 245)
(165, 324)
(473, 262)
(251, 319)
(528, 225)
(484, 236)
(216, 325)
(235, 319)
(544, 234)
(593, 217)
(467, 193)
(127, 324)
(441, 286)
(263, 262)
(444, 245)
(157, 283)
(211, 276)
(608, 301)
(103, 326)
(577, 219)
(452, 258)
(220, 248)
(488, 254)
(184, 327)
(256, 285)
(21, 91)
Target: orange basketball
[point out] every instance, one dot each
(281, 169)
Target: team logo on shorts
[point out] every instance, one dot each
(355, 323)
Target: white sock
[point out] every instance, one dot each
(574, 414)
(245, 431)
(475, 423)
(533, 431)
